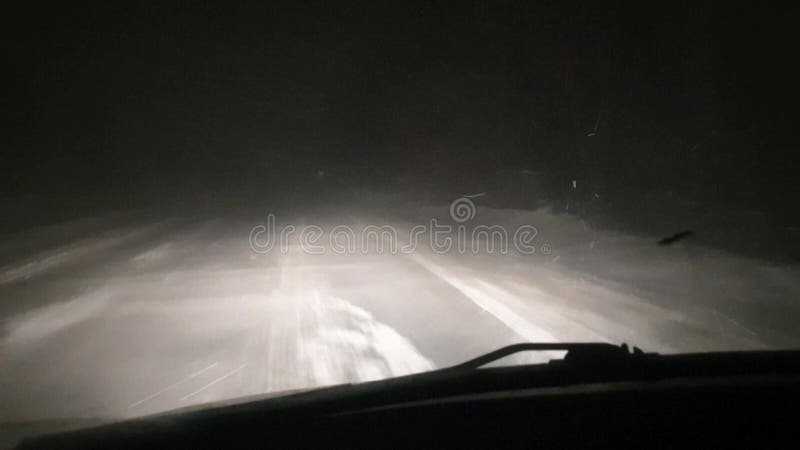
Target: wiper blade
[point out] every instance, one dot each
(577, 352)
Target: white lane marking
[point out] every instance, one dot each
(484, 299)
(199, 372)
(233, 372)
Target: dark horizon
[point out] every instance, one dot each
(691, 98)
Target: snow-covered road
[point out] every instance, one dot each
(120, 318)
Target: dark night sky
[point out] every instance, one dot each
(682, 94)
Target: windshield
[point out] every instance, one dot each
(214, 202)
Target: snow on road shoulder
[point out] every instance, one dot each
(39, 324)
(68, 253)
(613, 285)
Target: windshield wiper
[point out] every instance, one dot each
(577, 352)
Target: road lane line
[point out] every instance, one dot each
(214, 382)
(201, 371)
(487, 301)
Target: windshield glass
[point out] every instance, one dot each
(215, 202)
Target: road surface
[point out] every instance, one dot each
(126, 315)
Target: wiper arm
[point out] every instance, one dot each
(577, 352)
